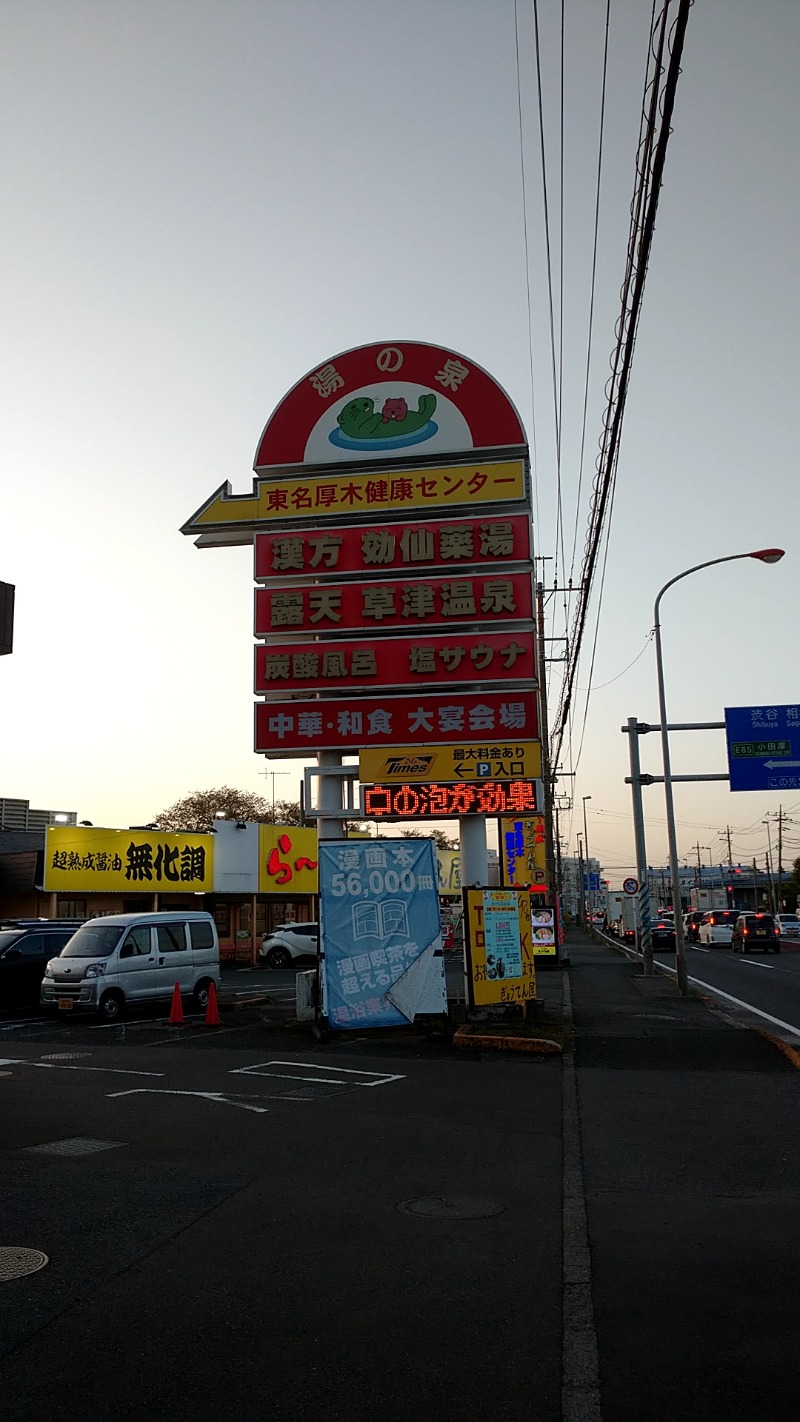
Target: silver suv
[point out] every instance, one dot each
(292, 940)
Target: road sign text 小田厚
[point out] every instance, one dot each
(763, 747)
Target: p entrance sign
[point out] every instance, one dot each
(763, 747)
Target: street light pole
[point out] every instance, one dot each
(764, 555)
(588, 857)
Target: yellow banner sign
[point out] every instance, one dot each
(96, 861)
(498, 761)
(500, 962)
(522, 851)
(356, 494)
(287, 860)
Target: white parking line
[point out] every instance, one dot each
(217, 1096)
(259, 1069)
(61, 1066)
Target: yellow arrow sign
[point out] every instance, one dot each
(231, 518)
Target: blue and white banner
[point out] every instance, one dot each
(381, 943)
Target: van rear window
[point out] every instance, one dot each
(202, 935)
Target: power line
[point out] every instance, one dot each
(650, 168)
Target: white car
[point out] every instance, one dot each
(789, 924)
(292, 940)
(716, 927)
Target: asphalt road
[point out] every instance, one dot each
(229, 1232)
(767, 982)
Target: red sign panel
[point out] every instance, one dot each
(285, 728)
(339, 665)
(468, 409)
(392, 547)
(393, 606)
(434, 801)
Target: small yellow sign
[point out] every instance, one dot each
(523, 858)
(500, 962)
(288, 857)
(470, 762)
(114, 861)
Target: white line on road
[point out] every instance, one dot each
(29, 1022)
(379, 1078)
(776, 1021)
(205, 1095)
(751, 964)
(61, 1066)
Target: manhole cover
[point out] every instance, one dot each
(74, 1145)
(452, 1207)
(64, 1056)
(16, 1263)
(312, 1093)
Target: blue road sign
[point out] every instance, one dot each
(763, 747)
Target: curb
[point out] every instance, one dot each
(506, 1042)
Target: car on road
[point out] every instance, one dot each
(754, 931)
(26, 947)
(691, 924)
(662, 930)
(292, 940)
(716, 927)
(789, 924)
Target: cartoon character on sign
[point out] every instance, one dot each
(361, 426)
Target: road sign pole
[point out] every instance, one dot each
(645, 929)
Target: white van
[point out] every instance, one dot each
(133, 957)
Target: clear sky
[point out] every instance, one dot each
(203, 199)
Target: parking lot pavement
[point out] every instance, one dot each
(376, 1238)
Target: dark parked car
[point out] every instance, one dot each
(26, 947)
(756, 931)
(663, 934)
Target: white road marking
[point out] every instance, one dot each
(751, 964)
(379, 1078)
(217, 1096)
(776, 1021)
(61, 1066)
(29, 1022)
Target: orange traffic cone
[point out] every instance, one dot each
(176, 1010)
(212, 1011)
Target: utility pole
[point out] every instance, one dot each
(730, 856)
(755, 887)
(544, 734)
(780, 856)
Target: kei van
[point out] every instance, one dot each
(128, 958)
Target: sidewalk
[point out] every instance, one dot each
(691, 1170)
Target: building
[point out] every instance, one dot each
(571, 889)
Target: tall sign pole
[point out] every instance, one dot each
(390, 521)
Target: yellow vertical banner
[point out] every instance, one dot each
(499, 947)
(522, 852)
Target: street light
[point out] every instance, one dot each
(581, 894)
(764, 555)
(586, 843)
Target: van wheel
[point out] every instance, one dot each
(200, 995)
(112, 1006)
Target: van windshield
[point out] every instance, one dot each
(94, 940)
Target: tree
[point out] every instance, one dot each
(443, 841)
(199, 810)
